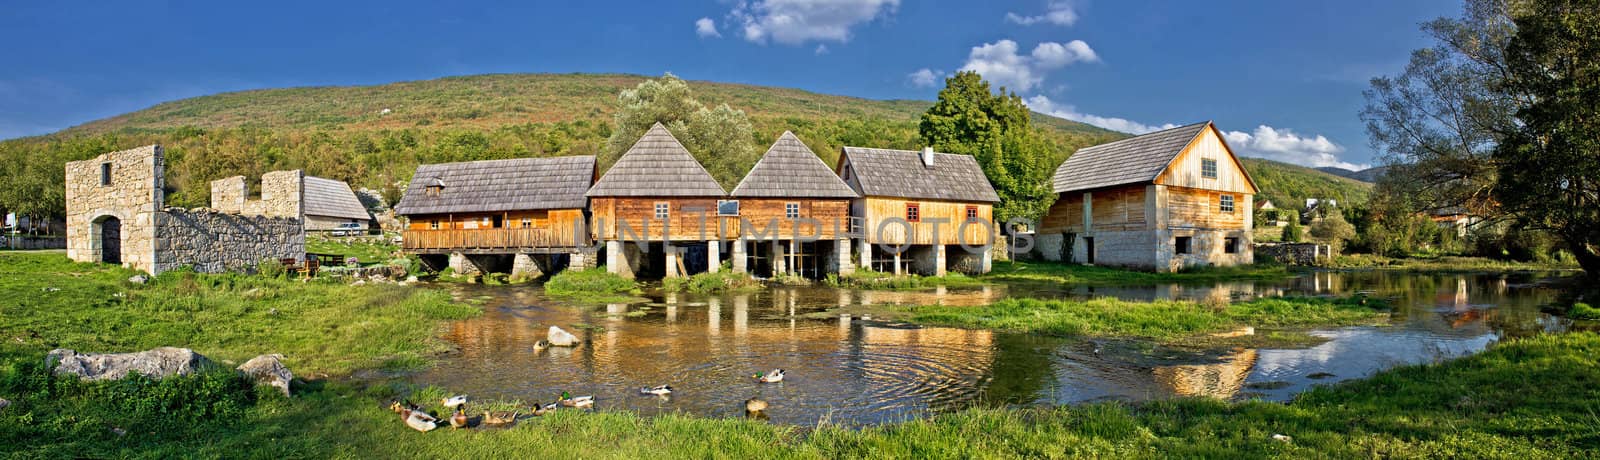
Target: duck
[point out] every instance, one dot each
(775, 376)
(754, 406)
(569, 400)
(541, 345)
(414, 417)
(499, 417)
(460, 419)
(540, 410)
(658, 390)
(454, 401)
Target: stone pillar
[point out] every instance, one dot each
(460, 264)
(740, 261)
(581, 260)
(713, 256)
(866, 255)
(987, 264)
(779, 266)
(525, 268)
(671, 261)
(841, 253)
(897, 270)
(617, 260)
(938, 260)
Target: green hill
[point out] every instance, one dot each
(374, 136)
(1289, 185)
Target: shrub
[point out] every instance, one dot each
(1582, 310)
(271, 268)
(1291, 233)
(705, 283)
(594, 281)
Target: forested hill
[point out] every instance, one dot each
(1289, 185)
(374, 136)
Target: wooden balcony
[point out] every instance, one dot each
(493, 240)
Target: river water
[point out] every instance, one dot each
(855, 372)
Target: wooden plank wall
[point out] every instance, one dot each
(879, 209)
(760, 211)
(1185, 170)
(684, 218)
(1118, 209)
(1066, 215)
(1196, 208)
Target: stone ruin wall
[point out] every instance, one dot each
(235, 236)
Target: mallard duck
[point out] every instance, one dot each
(499, 417)
(454, 401)
(569, 400)
(460, 419)
(541, 345)
(775, 376)
(414, 417)
(754, 406)
(540, 410)
(659, 390)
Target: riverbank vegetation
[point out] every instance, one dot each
(1164, 320)
(1056, 272)
(723, 280)
(320, 326)
(591, 285)
(1483, 406)
(1443, 264)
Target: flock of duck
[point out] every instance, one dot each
(419, 419)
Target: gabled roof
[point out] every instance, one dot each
(1129, 161)
(901, 174)
(657, 165)
(332, 198)
(789, 169)
(500, 185)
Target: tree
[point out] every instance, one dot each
(1334, 229)
(1291, 232)
(995, 128)
(1549, 164)
(721, 139)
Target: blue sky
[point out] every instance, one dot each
(1283, 78)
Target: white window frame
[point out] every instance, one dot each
(663, 210)
(1208, 173)
(1225, 203)
(791, 210)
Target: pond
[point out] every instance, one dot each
(856, 372)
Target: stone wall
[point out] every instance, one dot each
(132, 196)
(214, 242)
(1296, 253)
(282, 195)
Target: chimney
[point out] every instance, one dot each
(927, 157)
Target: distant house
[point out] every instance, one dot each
(1161, 201)
(1454, 218)
(794, 210)
(1265, 205)
(656, 210)
(331, 203)
(917, 209)
(528, 213)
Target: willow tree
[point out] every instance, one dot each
(995, 128)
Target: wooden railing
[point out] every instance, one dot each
(490, 238)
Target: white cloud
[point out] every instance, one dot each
(926, 78)
(1044, 105)
(1287, 146)
(706, 28)
(1057, 12)
(794, 22)
(999, 62)
(822, 49)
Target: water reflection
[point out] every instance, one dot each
(862, 372)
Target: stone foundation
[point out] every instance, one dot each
(1157, 249)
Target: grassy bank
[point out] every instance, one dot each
(592, 285)
(1166, 320)
(724, 280)
(47, 301)
(366, 251)
(1530, 398)
(869, 279)
(1444, 264)
(1054, 272)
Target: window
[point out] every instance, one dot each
(728, 208)
(1181, 246)
(791, 210)
(527, 222)
(105, 173)
(433, 225)
(1226, 203)
(1208, 168)
(972, 213)
(1230, 245)
(663, 210)
(913, 212)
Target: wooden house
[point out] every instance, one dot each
(793, 215)
(1161, 201)
(528, 212)
(924, 212)
(656, 210)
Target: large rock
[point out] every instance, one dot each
(268, 370)
(157, 363)
(560, 338)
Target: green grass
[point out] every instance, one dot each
(367, 251)
(591, 285)
(1530, 398)
(1442, 264)
(869, 279)
(47, 301)
(1055, 272)
(724, 280)
(1582, 310)
(1166, 320)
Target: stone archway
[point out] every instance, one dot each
(109, 239)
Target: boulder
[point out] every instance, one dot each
(268, 370)
(560, 338)
(138, 279)
(157, 363)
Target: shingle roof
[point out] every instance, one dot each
(900, 173)
(500, 185)
(789, 169)
(332, 198)
(1128, 161)
(657, 165)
